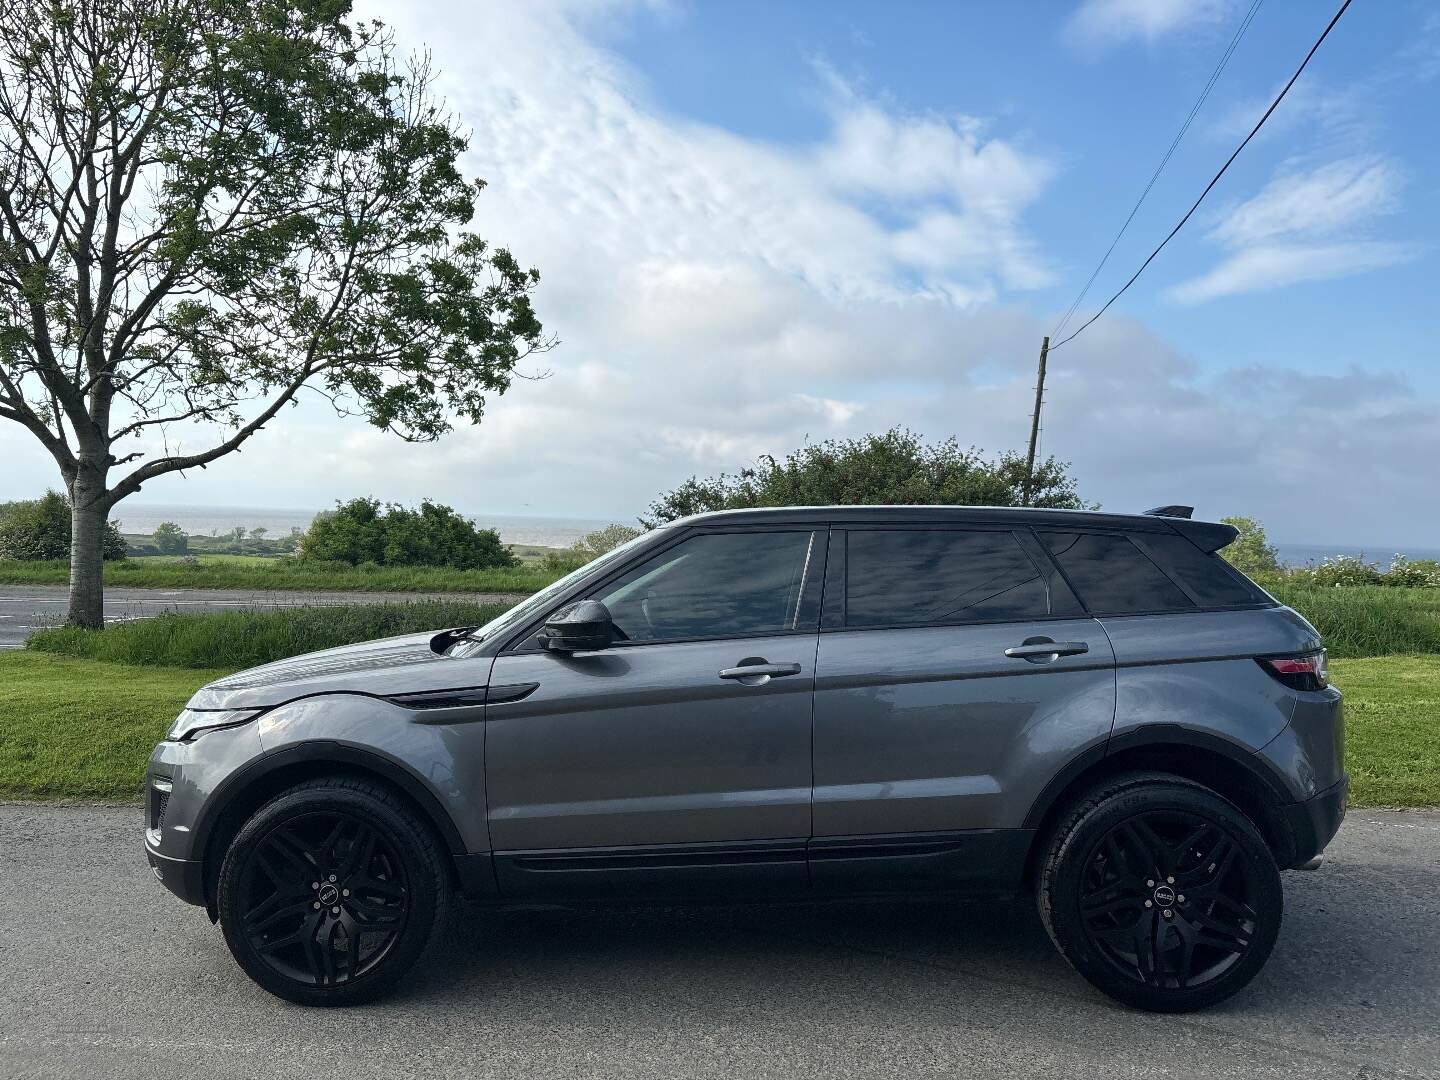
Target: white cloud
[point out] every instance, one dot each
(1304, 225)
(1271, 266)
(1100, 23)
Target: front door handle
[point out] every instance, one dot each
(755, 671)
(1043, 650)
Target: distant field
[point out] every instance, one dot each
(258, 572)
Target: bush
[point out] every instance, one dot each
(893, 468)
(40, 529)
(362, 532)
(589, 547)
(170, 539)
(239, 639)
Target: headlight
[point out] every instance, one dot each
(195, 722)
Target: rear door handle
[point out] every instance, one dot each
(758, 673)
(1039, 650)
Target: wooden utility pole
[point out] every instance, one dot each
(1035, 420)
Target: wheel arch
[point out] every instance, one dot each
(267, 776)
(1231, 771)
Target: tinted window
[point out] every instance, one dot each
(912, 576)
(1210, 579)
(1112, 575)
(716, 585)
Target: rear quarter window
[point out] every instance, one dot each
(1112, 575)
(1206, 576)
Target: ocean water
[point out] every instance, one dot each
(207, 520)
(1377, 554)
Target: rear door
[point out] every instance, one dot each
(956, 676)
(678, 759)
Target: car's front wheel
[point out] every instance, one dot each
(331, 891)
(1161, 893)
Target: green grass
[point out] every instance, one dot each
(240, 639)
(1392, 729)
(256, 572)
(1369, 620)
(76, 729)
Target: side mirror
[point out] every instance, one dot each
(582, 627)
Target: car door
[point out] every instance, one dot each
(679, 758)
(956, 675)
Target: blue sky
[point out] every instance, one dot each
(762, 223)
(1100, 93)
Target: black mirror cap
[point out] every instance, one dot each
(582, 627)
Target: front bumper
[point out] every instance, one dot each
(1314, 822)
(183, 877)
(181, 781)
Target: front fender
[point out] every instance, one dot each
(441, 766)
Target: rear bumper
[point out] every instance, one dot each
(1314, 822)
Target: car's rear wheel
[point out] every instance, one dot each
(1161, 893)
(331, 892)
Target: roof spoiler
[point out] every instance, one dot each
(1208, 536)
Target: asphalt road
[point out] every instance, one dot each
(104, 974)
(26, 608)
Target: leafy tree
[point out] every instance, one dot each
(362, 531)
(1250, 552)
(40, 529)
(170, 539)
(206, 206)
(896, 467)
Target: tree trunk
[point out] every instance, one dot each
(87, 555)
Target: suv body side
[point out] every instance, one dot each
(936, 758)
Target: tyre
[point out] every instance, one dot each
(331, 892)
(1161, 893)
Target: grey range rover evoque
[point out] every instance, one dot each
(786, 704)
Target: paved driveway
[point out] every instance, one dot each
(26, 608)
(103, 974)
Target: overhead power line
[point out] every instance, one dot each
(1215, 180)
(1169, 153)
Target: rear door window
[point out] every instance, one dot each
(926, 577)
(1112, 575)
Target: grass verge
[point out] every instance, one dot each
(1392, 728)
(77, 729)
(245, 572)
(241, 639)
(1369, 620)
(83, 729)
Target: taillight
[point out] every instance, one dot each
(1299, 672)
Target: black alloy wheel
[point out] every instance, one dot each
(1161, 893)
(331, 891)
(1168, 898)
(323, 898)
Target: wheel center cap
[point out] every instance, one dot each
(329, 894)
(1164, 896)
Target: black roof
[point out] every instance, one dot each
(1209, 535)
